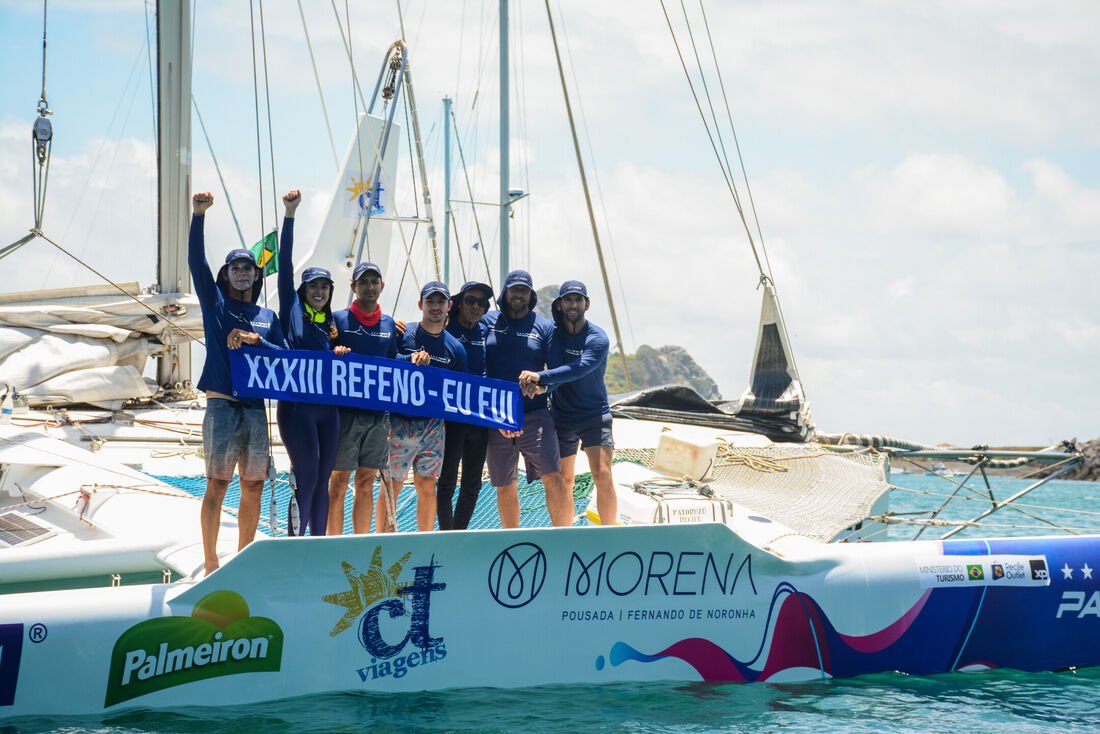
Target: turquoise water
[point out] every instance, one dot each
(998, 700)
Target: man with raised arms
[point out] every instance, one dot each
(416, 441)
(517, 341)
(577, 361)
(234, 430)
(364, 434)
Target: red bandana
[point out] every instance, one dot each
(364, 318)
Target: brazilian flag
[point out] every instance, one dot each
(266, 252)
(975, 573)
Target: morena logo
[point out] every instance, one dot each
(517, 574)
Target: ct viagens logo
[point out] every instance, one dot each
(379, 602)
(219, 638)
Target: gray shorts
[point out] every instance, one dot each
(538, 444)
(234, 436)
(364, 440)
(416, 443)
(586, 432)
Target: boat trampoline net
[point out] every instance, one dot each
(815, 491)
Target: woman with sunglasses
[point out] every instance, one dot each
(309, 431)
(464, 441)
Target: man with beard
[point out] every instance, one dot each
(234, 430)
(364, 433)
(577, 359)
(517, 341)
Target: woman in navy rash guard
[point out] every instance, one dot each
(310, 432)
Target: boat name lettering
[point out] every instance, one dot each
(657, 573)
(1074, 601)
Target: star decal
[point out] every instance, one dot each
(365, 588)
(1086, 572)
(1067, 572)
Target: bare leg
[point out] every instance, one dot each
(425, 503)
(248, 511)
(508, 505)
(568, 471)
(607, 502)
(363, 505)
(337, 491)
(558, 501)
(211, 520)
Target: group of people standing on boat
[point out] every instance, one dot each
(559, 366)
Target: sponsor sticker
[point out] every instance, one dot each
(971, 571)
(219, 638)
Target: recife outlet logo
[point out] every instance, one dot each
(394, 619)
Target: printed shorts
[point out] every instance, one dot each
(538, 443)
(592, 431)
(234, 436)
(364, 440)
(416, 443)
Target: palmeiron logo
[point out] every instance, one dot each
(219, 638)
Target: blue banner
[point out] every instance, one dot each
(360, 381)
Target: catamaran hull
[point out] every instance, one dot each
(292, 617)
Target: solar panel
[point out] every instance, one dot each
(19, 529)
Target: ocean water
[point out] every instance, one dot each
(996, 700)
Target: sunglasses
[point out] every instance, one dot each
(473, 301)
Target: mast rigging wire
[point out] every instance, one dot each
(320, 93)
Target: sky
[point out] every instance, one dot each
(926, 176)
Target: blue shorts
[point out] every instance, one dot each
(538, 443)
(587, 432)
(234, 436)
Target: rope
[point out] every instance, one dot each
(473, 208)
(320, 93)
(121, 290)
(729, 183)
(218, 170)
(270, 136)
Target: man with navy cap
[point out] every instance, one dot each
(364, 434)
(577, 361)
(465, 442)
(517, 341)
(416, 441)
(234, 430)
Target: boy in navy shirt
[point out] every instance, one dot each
(364, 434)
(416, 441)
(234, 430)
(577, 361)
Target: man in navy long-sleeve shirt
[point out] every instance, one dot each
(517, 341)
(364, 433)
(577, 361)
(234, 430)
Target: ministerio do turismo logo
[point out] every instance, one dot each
(219, 638)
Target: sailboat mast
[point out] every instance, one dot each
(174, 168)
(505, 197)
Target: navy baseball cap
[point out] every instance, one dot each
(573, 286)
(240, 254)
(434, 286)
(518, 277)
(311, 274)
(363, 268)
(470, 285)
